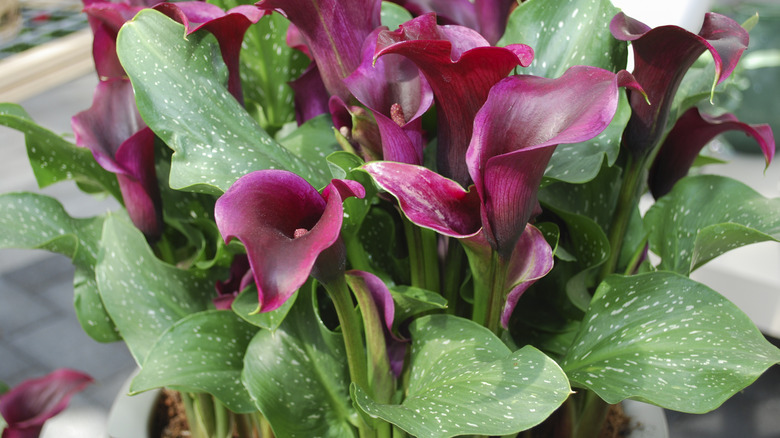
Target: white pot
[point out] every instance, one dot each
(647, 421)
(131, 416)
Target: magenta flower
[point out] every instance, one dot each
(289, 229)
(460, 66)
(334, 32)
(397, 95)
(688, 137)
(240, 278)
(662, 56)
(121, 143)
(514, 138)
(106, 18)
(488, 17)
(27, 407)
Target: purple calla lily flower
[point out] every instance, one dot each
(121, 143)
(27, 406)
(240, 278)
(384, 305)
(488, 17)
(531, 260)
(289, 230)
(228, 27)
(334, 32)
(662, 56)
(397, 95)
(513, 140)
(106, 18)
(688, 137)
(460, 66)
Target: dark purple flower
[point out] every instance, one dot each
(289, 230)
(488, 17)
(688, 137)
(105, 18)
(121, 143)
(397, 95)
(27, 406)
(514, 136)
(334, 32)
(661, 58)
(460, 66)
(240, 278)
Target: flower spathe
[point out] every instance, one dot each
(27, 406)
(662, 56)
(460, 66)
(692, 131)
(285, 224)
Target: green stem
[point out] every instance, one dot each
(630, 190)
(244, 425)
(223, 424)
(356, 254)
(452, 275)
(423, 256)
(353, 339)
(204, 410)
(592, 416)
(489, 293)
(264, 427)
(192, 419)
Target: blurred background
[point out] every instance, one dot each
(46, 66)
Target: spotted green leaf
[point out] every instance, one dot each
(186, 103)
(301, 367)
(55, 159)
(245, 306)
(34, 221)
(202, 352)
(705, 216)
(464, 380)
(564, 33)
(144, 295)
(664, 339)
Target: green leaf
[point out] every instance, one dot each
(464, 380)
(301, 368)
(245, 306)
(215, 141)
(203, 352)
(664, 339)
(34, 221)
(314, 140)
(394, 15)
(564, 33)
(705, 216)
(144, 295)
(410, 301)
(55, 159)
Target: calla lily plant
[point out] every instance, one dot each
(372, 218)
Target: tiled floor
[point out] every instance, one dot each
(39, 331)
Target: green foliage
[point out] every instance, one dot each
(664, 339)
(464, 380)
(705, 216)
(202, 352)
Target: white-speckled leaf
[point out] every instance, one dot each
(29, 220)
(668, 340)
(181, 94)
(203, 352)
(301, 368)
(705, 216)
(564, 33)
(464, 380)
(245, 306)
(55, 159)
(144, 295)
